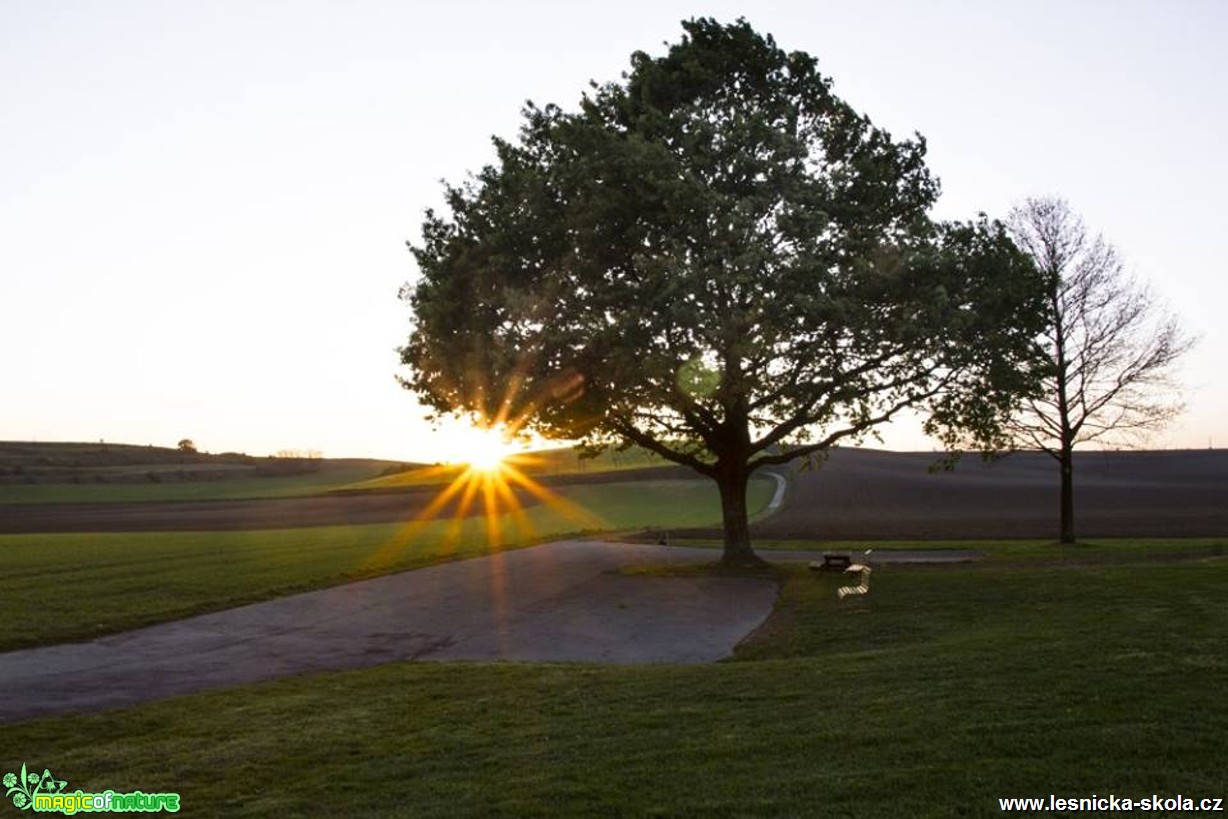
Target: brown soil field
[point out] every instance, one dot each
(875, 495)
(171, 516)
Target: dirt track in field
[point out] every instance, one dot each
(857, 494)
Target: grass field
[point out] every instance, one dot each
(546, 462)
(56, 587)
(158, 480)
(942, 691)
(331, 477)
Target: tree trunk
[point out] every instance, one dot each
(1067, 463)
(1066, 434)
(738, 552)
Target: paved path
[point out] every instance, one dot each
(556, 602)
(880, 556)
(560, 602)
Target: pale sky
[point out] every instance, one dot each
(204, 205)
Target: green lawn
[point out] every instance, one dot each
(943, 690)
(56, 587)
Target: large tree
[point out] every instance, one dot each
(1110, 348)
(718, 260)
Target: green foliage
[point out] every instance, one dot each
(719, 252)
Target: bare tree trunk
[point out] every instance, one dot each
(1067, 464)
(732, 482)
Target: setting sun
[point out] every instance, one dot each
(483, 449)
(486, 460)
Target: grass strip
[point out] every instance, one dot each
(1031, 550)
(198, 490)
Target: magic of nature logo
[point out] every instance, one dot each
(43, 793)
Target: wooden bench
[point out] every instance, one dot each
(863, 583)
(843, 562)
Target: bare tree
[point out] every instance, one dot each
(1110, 346)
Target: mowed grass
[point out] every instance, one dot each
(57, 587)
(942, 691)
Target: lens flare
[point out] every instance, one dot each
(487, 492)
(486, 461)
(483, 449)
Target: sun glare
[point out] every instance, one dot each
(484, 449)
(486, 461)
(486, 484)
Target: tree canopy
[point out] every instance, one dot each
(719, 260)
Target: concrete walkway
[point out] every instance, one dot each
(556, 602)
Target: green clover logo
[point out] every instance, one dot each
(23, 787)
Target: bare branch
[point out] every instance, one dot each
(1109, 342)
(1110, 347)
